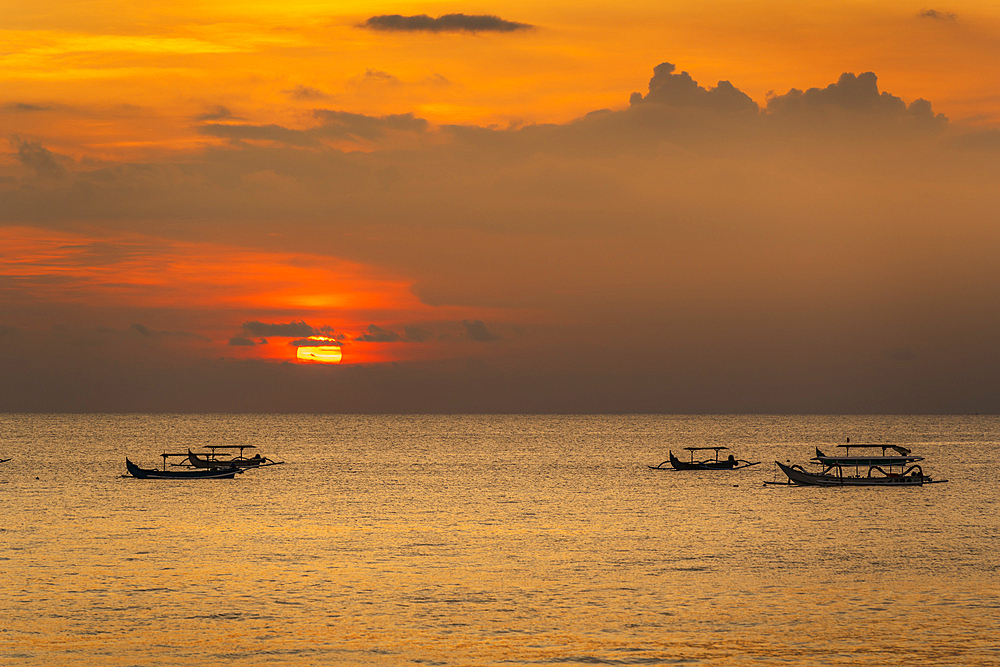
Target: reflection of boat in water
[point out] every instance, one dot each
(211, 459)
(153, 473)
(900, 469)
(729, 463)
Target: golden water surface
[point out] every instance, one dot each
(492, 540)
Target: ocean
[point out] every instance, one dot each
(493, 540)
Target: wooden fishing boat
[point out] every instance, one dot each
(212, 458)
(729, 463)
(153, 473)
(866, 469)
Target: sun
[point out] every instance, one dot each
(325, 351)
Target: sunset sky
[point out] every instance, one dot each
(516, 207)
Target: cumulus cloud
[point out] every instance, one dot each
(680, 90)
(858, 94)
(445, 23)
(287, 330)
(479, 332)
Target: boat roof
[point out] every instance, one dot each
(900, 449)
(698, 449)
(867, 458)
(230, 447)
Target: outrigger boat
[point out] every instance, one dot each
(210, 459)
(153, 473)
(730, 463)
(901, 469)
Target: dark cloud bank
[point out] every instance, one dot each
(829, 249)
(445, 23)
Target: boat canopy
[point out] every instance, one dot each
(698, 449)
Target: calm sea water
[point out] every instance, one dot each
(492, 540)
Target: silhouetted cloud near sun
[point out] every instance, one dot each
(446, 23)
(377, 334)
(240, 341)
(290, 329)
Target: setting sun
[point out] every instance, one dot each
(325, 351)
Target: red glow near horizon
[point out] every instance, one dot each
(213, 289)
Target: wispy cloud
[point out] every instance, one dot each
(305, 93)
(935, 14)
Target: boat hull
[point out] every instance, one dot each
(677, 464)
(153, 473)
(802, 478)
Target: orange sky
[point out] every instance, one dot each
(447, 203)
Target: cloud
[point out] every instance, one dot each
(680, 90)
(478, 331)
(306, 93)
(857, 94)
(416, 334)
(685, 253)
(146, 332)
(288, 330)
(44, 162)
(24, 107)
(378, 77)
(343, 124)
(314, 342)
(276, 133)
(241, 341)
(216, 113)
(935, 14)
(981, 140)
(445, 23)
(378, 335)
(333, 125)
